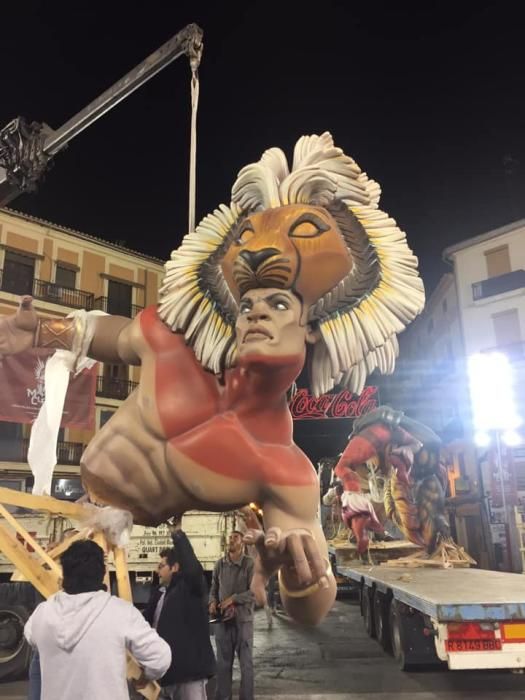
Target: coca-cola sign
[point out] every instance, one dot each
(345, 404)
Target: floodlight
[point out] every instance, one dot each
(482, 439)
(492, 392)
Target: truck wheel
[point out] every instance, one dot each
(397, 635)
(381, 621)
(368, 615)
(17, 602)
(15, 652)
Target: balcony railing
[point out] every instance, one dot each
(113, 388)
(498, 285)
(112, 307)
(49, 291)
(16, 451)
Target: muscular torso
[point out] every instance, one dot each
(181, 441)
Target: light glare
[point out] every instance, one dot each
(491, 392)
(482, 439)
(511, 438)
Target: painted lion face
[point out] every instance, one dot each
(296, 247)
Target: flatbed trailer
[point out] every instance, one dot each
(466, 618)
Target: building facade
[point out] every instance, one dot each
(64, 270)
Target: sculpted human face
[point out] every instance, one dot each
(270, 324)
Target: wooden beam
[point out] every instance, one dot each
(121, 570)
(30, 541)
(46, 582)
(61, 548)
(45, 503)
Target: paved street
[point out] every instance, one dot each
(338, 662)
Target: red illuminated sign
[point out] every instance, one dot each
(345, 404)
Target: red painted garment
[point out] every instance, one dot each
(238, 432)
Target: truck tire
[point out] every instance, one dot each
(397, 635)
(367, 612)
(381, 619)
(15, 652)
(17, 602)
(410, 645)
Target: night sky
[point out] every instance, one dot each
(429, 102)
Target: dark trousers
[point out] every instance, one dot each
(234, 638)
(35, 682)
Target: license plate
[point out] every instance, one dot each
(473, 644)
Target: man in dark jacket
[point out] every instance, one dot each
(177, 610)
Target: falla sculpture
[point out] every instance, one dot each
(301, 267)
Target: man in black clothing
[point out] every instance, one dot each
(177, 610)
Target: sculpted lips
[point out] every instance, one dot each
(256, 333)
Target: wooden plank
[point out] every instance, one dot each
(30, 540)
(45, 503)
(46, 582)
(102, 542)
(61, 548)
(121, 570)
(152, 690)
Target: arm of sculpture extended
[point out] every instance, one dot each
(294, 545)
(116, 339)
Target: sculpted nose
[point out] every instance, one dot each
(255, 258)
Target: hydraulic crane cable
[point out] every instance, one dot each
(193, 147)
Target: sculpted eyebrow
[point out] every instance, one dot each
(276, 295)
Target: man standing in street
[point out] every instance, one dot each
(82, 634)
(231, 596)
(177, 610)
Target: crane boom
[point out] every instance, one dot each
(27, 148)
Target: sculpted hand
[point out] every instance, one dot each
(17, 332)
(295, 552)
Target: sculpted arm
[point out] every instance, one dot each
(294, 544)
(116, 339)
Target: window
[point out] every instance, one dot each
(507, 328)
(11, 446)
(104, 417)
(115, 381)
(119, 298)
(498, 261)
(65, 277)
(19, 273)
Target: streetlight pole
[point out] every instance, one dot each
(503, 497)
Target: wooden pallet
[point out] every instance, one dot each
(448, 555)
(380, 552)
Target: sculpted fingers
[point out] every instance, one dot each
(299, 560)
(317, 562)
(254, 537)
(273, 538)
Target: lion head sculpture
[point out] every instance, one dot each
(315, 229)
